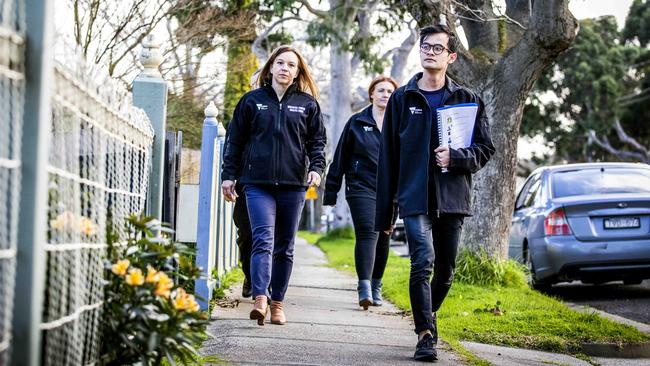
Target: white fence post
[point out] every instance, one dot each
(207, 230)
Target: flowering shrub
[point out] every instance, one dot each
(148, 313)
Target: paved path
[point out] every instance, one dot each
(325, 325)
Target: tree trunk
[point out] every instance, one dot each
(340, 111)
(241, 65)
(494, 185)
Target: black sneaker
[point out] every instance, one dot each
(246, 288)
(426, 349)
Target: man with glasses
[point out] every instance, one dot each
(432, 201)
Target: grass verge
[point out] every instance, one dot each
(509, 315)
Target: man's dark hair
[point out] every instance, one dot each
(452, 44)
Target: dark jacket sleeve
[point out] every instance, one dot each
(316, 140)
(238, 135)
(339, 166)
(388, 168)
(474, 157)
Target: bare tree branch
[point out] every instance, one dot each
(260, 52)
(311, 9)
(625, 138)
(400, 54)
(364, 20)
(551, 31)
(519, 11)
(621, 154)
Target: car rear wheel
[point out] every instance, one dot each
(532, 281)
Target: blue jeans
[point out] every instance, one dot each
(433, 244)
(274, 213)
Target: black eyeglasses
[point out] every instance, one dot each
(436, 48)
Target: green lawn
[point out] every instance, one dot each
(502, 315)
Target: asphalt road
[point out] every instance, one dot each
(632, 302)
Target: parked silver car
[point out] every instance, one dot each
(588, 222)
(398, 233)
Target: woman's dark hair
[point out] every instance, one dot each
(452, 44)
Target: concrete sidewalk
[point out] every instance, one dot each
(325, 325)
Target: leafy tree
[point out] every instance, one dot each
(599, 87)
(588, 81)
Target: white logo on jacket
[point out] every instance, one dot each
(367, 128)
(415, 110)
(262, 107)
(298, 109)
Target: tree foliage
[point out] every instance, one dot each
(591, 101)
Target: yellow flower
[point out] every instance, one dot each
(193, 306)
(86, 226)
(135, 277)
(164, 285)
(181, 300)
(184, 302)
(120, 267)
(152, 275)
(62, 221)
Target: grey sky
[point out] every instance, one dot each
(594, 8)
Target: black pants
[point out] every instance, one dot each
(244, 234)
(371, 247)
(433, 245)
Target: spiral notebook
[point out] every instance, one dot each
(456, 125)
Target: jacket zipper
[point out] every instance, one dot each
(431, 166)
(275, 148)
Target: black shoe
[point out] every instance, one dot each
(426, 349)
(246, 288)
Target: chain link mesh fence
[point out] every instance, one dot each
(12, 94)
(98, 170)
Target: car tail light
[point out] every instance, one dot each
(556, 223)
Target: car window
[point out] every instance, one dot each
(605, 180)
(523, 194)
(533, 192)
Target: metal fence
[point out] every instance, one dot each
(98, 172)
(12, 94)
(217, 252)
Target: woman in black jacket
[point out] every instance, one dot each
(275, 149)
(356, 157)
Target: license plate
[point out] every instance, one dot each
(622, 223)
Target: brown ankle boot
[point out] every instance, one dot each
(259, 309)
(277, 313)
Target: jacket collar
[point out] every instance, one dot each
(450, 84)
(290, 90)
(366, 116)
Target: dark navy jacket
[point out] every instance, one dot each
(274, 142)
(405, 164)
(356, 157)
